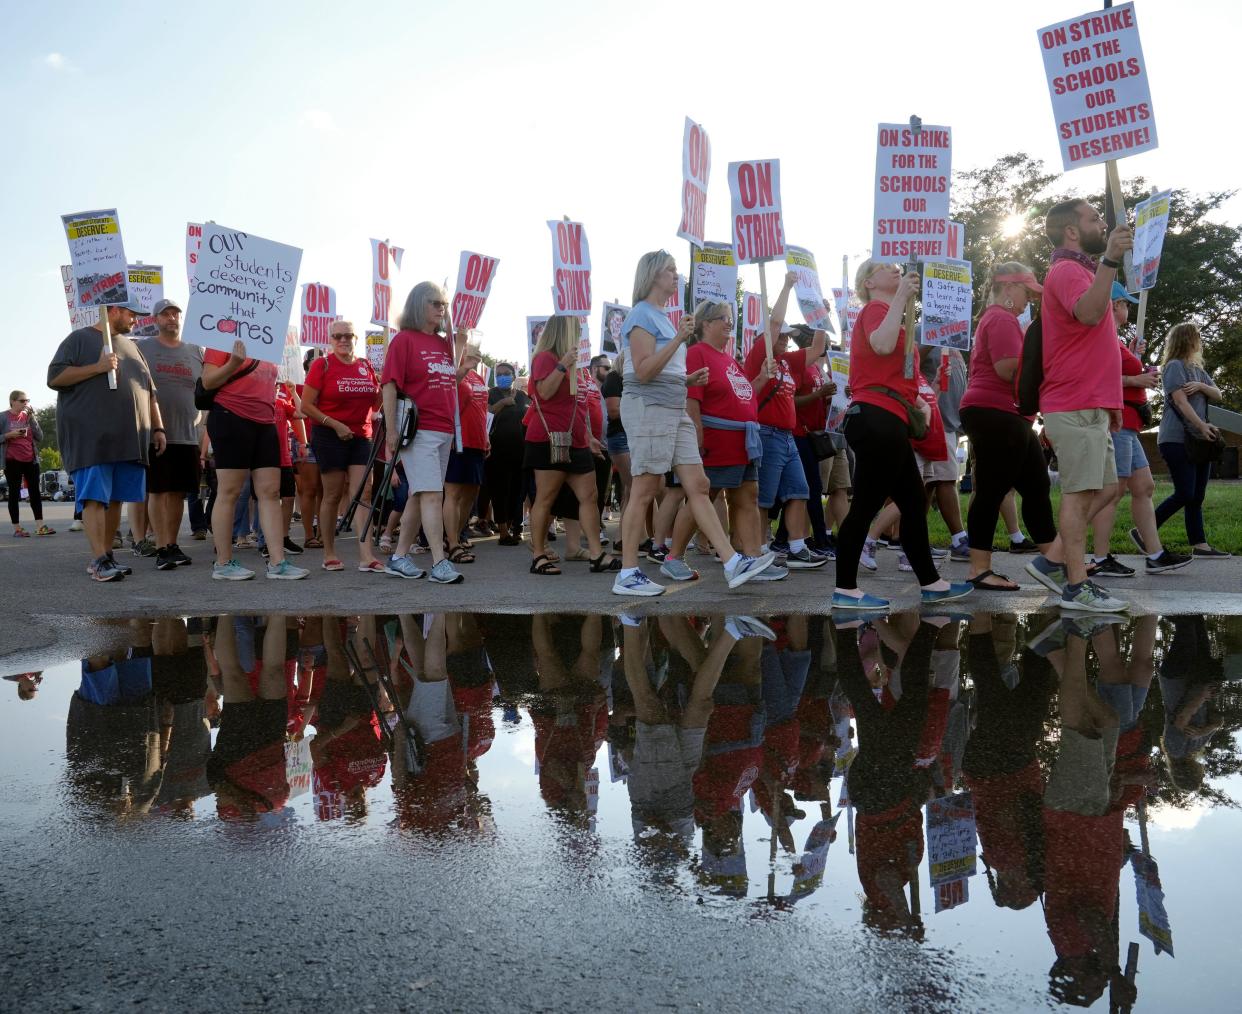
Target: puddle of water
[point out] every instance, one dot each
(1037, 806)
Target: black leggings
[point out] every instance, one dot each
(14, 472)
(884, 468)
(1007, 456)
(502, 471)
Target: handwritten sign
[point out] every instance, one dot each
(951, 838)
(752, 321)
(758, 229)
(146, 284)
(912, 175)
(377, 347)
(298, 767)
(1101, 96)
(610, 336)
(807, 290)
(318, 313)
(571, 269)
(79, 316)
(839, 365)
(98, 257)
(584, 344)
(243, 289)
(1151, 222)
(474, 284)
(385, 263)
(715, 274)
(193, 243)
(696, 167)
(947, 295)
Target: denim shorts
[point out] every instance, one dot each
(781, 477)
(731, 476)
(617, 443)
(1129, 452)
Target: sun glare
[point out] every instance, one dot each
(1013, 225)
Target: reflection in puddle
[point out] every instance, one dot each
(941, 779)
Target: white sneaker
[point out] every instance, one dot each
(77, 526)
(636, 583)
(867, 559)
(748, 568)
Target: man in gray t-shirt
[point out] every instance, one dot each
(175, 367)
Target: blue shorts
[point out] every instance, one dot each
(781, 477)
(113, 482)
(465, 467)
(1129, 454)
(730, 476)
(617, 443)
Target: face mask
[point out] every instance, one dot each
(504, 381)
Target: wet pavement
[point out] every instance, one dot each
(483, 811)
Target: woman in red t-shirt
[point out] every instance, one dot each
(465, 467)
(19, 434)
(340, 394)
(877, 430)
(559, 405)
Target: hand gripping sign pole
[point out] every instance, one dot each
(916, 127)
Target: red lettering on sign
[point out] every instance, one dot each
(569, 242)
(381, 297)
(382, 263)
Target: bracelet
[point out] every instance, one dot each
(562, 367)
(1105, 262)
(158, 429)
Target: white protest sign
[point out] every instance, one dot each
(385, 263)
(376, 349)
(675, 308)
(1101, 97)
(696, 167)
(957, 241)
(715, 274)
(244, 289)
(474, 283)
(534, 331)
(290, 370)
(809, 870)
(807, 290)
(913, 170)
(1151, 222)
(571, 269)
(610, 336)
(298, 767)
(193, 242)
(98, 257)
(318, 313)
(947, 295)
(951, 838)
(79, 316)
(584, 344)
(752, 320)
(755, 195)
(839, 365)
(146, 284)
(1153, 917)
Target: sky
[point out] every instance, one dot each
(451, 126)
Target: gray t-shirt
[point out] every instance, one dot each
(174, 371)
(94, 425)
(668, 387)
(1173, 375)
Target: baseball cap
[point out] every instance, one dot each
(133, 305)
(165, 304)
(1119, 292)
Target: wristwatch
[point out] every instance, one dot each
(562, 367)
(1106, 262)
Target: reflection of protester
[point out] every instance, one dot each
(27, 684)
(20, 434)
(503, 467)
(1190, 677)
(179, 682)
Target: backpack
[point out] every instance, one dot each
(1030, 375)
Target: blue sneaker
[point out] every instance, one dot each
(773, 573)
(864, 601)
(231, 571)
(285, 571)
(1051, 575)
(748, 567)
(403, 566)
(678, 570)
(956, 590)
(636, 583)
(445, 573)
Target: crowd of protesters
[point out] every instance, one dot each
(437, 450)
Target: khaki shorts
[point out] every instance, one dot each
(425, 460)
(941, 471)
(834, 472)
(1079, 782)
(660, 438)
(1084, 449)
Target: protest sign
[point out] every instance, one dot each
(947, 295)
(318, 313)
(377, 346)
(584, 344)
(243, 289)
(839, 365)
(696, 166)
(1153, 918)
(957, 241)
(952, 893)
(79, 316)
(474, 283)
(951, 838)
(385, 263)
(290, 369)
(715, 274)
(755, 193)
(807, 290)
(675, 308)
(298, 767)
(534, 331)
(1151, 222)
(809, 869)
(913, 170)
(193, 242)
(146, 284)
(98, 257)
(1101, 97)
(571, 269)
(752, 320)
(610, 336)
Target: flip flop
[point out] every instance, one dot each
(374, 567)
(979, 582)
(333, 565)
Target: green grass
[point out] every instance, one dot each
(1222, 515)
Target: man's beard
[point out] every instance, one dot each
(1094, 245)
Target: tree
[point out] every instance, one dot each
(1200, 269)
(47, 422)
(49, 459)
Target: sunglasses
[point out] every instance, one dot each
(439, 304)
(349, 335)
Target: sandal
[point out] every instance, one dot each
(20, 533)
(374, 567)
(577, 556)
(314, 542)
(546, 568)
(979, 582)
(598, 566)
(45, 530)
(460, 554)
(333, 565)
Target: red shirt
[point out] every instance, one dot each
(589, 390)
(998, 336)
(932, 446)
(1082, 364)
(1131, 366)
(732, 760)
(472, 397)
(347, 391)
(727, 395)
(421, 365)
(814, 414)
(19, 448)
(252, 397)
(868, 367)
(779, 410)
(285, 412)
(560, 410)
(1082, 857)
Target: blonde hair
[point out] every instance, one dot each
(347, 324)
(1185, 343)
(414, 315)
(559, 336)
(865, 270)
(1005, 268)
(705, 311)
(649, 267)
